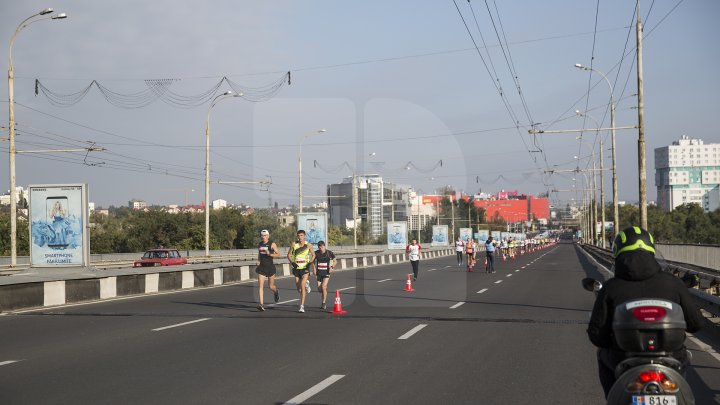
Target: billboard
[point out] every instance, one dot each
(465, 234)
(439, 235)
(482, 235)
(58, 225)
(315, 226)
(397, 235)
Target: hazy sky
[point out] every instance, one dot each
(398, 85)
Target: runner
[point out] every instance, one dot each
(265, 267)
(470, 249)
(459, 248)
(322, 266)
(301, 254)
(413, 250)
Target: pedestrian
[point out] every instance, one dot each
(470, 252)
(490, 255)
(323, 264)
(265, 267)
(413, 251)
(459, 249)
(300, 255)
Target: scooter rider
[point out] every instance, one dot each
(637, 275)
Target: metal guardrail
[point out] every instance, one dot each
(707, 291)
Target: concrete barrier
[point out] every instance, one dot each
(85, 286)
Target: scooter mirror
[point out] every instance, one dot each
(590, 284)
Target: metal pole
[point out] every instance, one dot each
(642, 183)
(300, 203)
(11, 130)
(602, 196)
(355, 208)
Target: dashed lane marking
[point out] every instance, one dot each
(412, 331)
(299, 399)
(346, 288)
(509, 275)
(180, 324)
(457, 305)
(498, 282)
(382, 281)
(6, 362)
(482, 291)
(286, 302)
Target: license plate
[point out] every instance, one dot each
(654, 400)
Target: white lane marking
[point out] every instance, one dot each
(482, 291)
(412, 331)
(447, 267)
(346, 288)
(432, 269)
(498, 282)
(457, 305)
(517, 270)
(315, 389)
(382, 281)
(181, 324)
(4, 363)
(509, 275)
(523, 266)
(704, 347)
(286, 302)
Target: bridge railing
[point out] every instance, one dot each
(707, 291)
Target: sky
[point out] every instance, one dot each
(429, 93)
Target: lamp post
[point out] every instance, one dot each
(11, 126)
(602, 179)
(616, 210)
(217, 99)
(319, 131)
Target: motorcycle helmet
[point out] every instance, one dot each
(633, 238)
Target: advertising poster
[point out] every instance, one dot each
(315, 226)
(496, 235)
(58, 218)
(483, 235)
(439, 235)
(465, 234)
(397, 235)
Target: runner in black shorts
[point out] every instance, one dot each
(265, 267)
(322, 266)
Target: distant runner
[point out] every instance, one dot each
(322, 266)
(265, 267)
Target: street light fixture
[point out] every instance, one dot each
(11, 127)
(616, 209)
(217, 99)
(309, 134)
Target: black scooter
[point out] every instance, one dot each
(649, 331)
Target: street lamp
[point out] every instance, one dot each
(616, 211)
(11, 127)
(309, 134)
(217, 99)
(602, 178)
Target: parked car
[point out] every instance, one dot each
(160, 257)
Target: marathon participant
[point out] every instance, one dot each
(265, 267)
(459, 248)
(323, 264)
(413, 251)
(470, 251)
(300, 255)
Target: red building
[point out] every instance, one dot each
(525, 208)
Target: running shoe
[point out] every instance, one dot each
(302, 309)
(323, 306)
(307, 287)
(277, 295)
(260, 308)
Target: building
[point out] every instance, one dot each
(218, 204)
(377, 202)
(137, 204)
(688, 171)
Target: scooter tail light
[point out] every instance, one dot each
(652, 376)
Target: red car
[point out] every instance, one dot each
(160, 257)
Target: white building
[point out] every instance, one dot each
(218, 204)
(688, 171)
(137, 204)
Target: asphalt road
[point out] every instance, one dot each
(513, 337)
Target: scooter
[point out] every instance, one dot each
(649, 331)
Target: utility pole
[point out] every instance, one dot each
(642, 183)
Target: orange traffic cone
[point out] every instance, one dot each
(338, 305)
(504, 257)
(408, 284)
